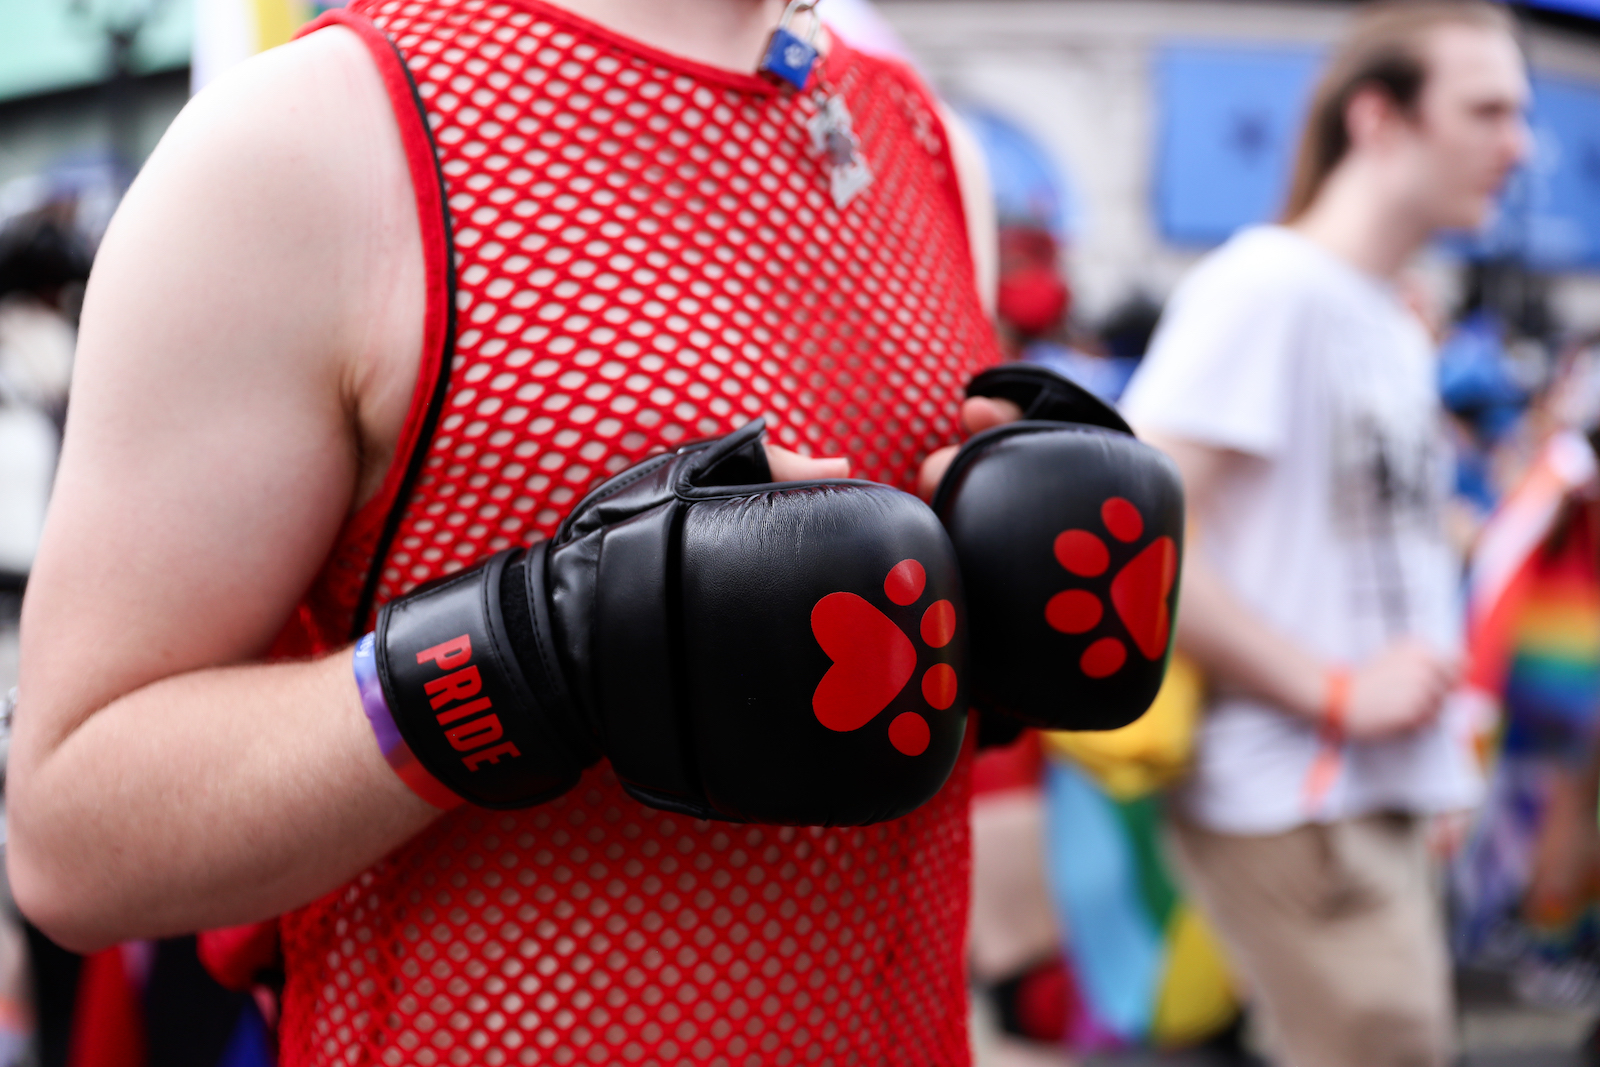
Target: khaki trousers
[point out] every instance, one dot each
(1338, 934)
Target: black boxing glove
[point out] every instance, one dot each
(1070, 537)
(780, 653)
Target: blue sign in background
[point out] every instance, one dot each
(1589, 8)
(1229, 123)
(1551, 212)
(1028, 187)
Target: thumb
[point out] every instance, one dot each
(790, 466)
(932, 472)
(980, 413)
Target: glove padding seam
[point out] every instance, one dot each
(606, 492)
(555, 678)
(510, 667)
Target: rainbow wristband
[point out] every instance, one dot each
(393, 746)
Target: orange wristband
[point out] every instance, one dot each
(1325, 766)
(1335, 698)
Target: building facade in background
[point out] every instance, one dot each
(1172, 123)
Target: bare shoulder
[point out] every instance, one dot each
(288, 113)
(280, 191)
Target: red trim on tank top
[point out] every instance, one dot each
(426, 183)
(737, 79)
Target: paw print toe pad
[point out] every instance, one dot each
(1138, 592)
(1104, 658)
(1082, 553)
(1074, 611)
(1122, 519)
(909, 733)
(939, 623)
(939, 686)
(905, 582)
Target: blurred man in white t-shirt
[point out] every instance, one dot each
(1296, 393)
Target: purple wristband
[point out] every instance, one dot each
(390, 742)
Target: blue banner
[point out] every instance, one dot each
(1550, 215)
(1587, 8)
(1228, 122)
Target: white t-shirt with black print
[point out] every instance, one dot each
(1331, 528)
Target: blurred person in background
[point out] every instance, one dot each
(43, 264)
(1079, 937)
(1034, 302)
(1034, 308)
(1295, 390)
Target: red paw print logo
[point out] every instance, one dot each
(1139, 592)
(873, 659)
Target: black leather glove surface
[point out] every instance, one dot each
(1069, 532)
(788, 653)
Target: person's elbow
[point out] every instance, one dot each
(48, 885)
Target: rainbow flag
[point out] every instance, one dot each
(1506, 557)
(1525, 888)
(1147, 967)
(1552, 679)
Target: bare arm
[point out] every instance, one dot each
(977, 198)
(1227, 640)
(250, 331)
(1400, 688)
(250, 343)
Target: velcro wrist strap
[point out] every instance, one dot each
(1045, 396)
(460, 699)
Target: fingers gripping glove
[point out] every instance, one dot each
(740, 650)
(1070, 536)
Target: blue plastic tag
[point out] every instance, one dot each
(789, 58)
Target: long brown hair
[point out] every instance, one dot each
(1383, 50)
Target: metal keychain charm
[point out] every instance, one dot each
(788, 58)
(833, 135)
(832, 131)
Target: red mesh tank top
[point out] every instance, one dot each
(645, 250)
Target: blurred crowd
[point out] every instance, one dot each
(1092, 931)
(1126, 898)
